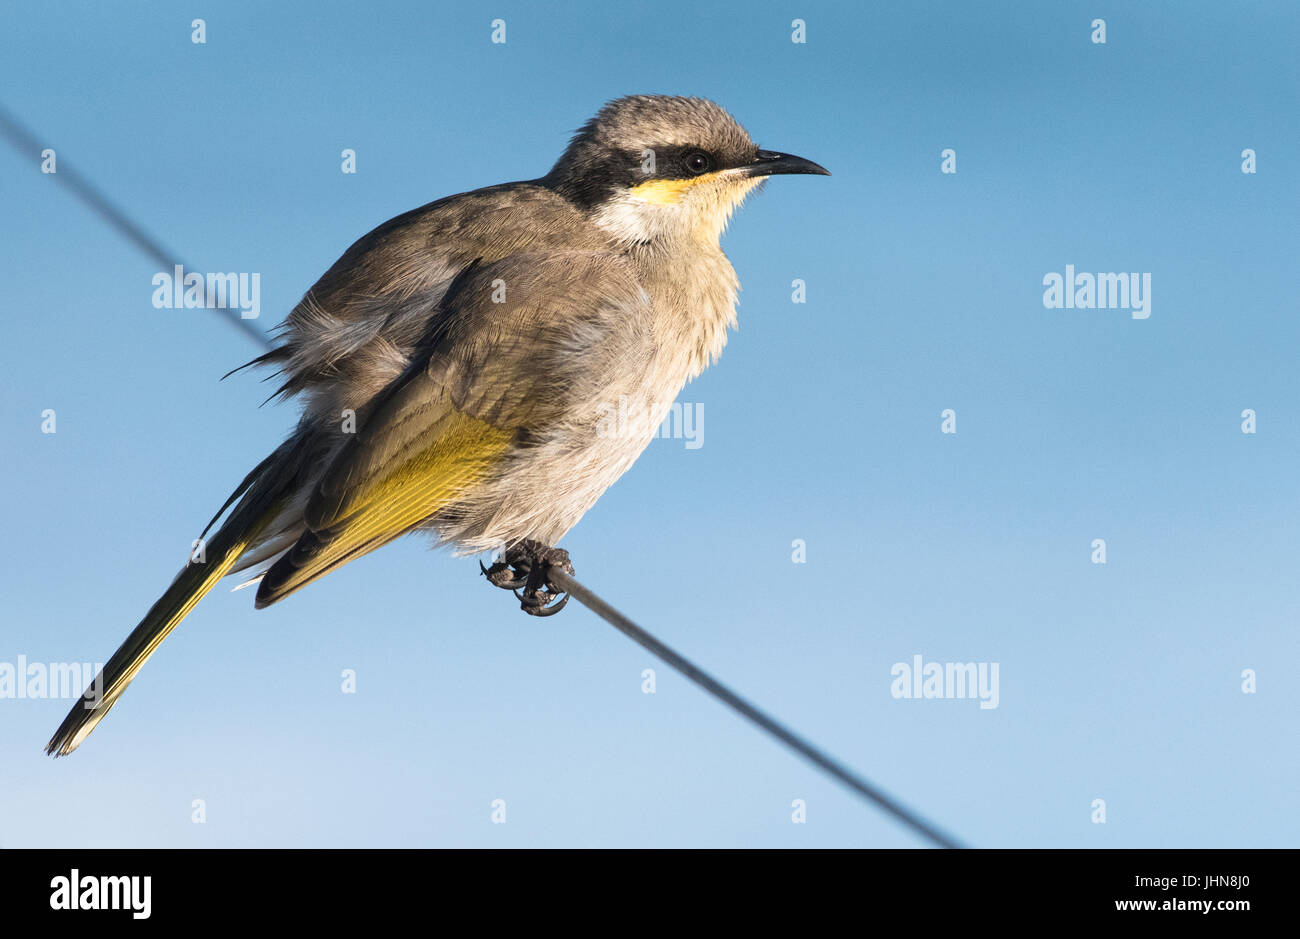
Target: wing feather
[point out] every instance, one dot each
(489, 374)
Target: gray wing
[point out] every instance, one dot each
(353, 331)
(523, 349)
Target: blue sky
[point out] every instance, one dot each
(1119, 682)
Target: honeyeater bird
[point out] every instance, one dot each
(455, 364)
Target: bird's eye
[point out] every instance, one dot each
(698, 162)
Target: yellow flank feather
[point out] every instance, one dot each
(462, 450)
(666, 191)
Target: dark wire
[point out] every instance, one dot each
(26, 142)
(562, 581)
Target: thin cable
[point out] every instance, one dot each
(25, 142)
(562, 581)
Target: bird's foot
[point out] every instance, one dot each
(526, 566)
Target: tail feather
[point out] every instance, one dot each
(189, 587)
(261, 497)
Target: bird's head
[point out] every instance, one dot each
(656, 168)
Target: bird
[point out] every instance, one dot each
(454, 364)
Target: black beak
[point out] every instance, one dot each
(771, 163)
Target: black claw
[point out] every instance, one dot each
(524, 567)
(551, 610)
